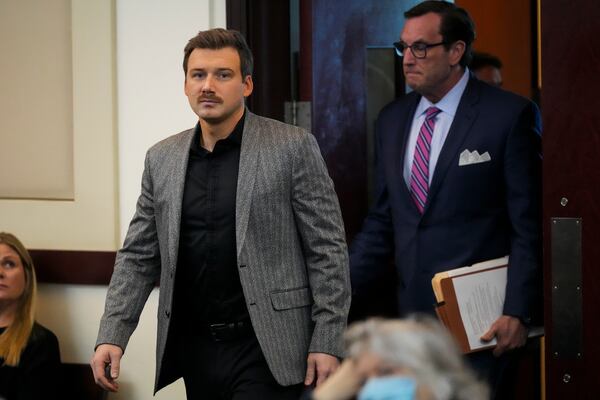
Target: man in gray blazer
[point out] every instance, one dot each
(239, 220)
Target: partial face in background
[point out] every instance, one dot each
(489, 74)
(430, 76)
(12, 275)
(387, 381)
(370, 365)
(214, 84)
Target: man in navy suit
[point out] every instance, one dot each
(458, 178)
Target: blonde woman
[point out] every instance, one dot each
(29, 354)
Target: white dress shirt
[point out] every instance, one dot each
(448, 104)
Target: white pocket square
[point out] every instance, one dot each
(467, 157)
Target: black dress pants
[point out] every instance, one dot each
(229, 370)
(498, 372)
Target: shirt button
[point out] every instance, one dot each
(243, 266)
(167, 313)
(252, 302)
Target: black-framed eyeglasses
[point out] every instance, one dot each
(418, 49)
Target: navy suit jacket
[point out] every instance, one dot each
(473, 213)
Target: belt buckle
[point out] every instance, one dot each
(228, 331)
(217, 331)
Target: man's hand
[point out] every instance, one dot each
(320, 366)
(107, 354)
(509, 332)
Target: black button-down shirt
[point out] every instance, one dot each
(208, 288)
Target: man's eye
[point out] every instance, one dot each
(197, 75)
(419, 46)
(224, 75)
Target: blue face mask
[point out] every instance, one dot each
(388, 388)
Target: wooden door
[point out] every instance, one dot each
(571, 181)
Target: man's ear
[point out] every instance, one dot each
(456, 52)
(248, 85)
(185, 80)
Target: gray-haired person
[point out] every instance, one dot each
(414, 358)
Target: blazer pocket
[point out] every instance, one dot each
(293, 298)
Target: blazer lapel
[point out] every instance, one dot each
(459, 130)
(395, 150)
(177, 165)
(246, 176)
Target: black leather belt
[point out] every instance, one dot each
(228, 331)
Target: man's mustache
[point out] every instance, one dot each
(210, 98)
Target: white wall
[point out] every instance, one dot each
(89, 220)
(73, 313)
(149, 37)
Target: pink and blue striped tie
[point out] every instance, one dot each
(419, 173)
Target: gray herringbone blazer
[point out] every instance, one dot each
(291, 248)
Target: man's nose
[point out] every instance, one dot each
(207, 85)
(409, 58)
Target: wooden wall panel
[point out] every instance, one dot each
(36, 101)
(504, 29)
(73, 267)
(88, 221)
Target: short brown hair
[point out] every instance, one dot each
(220, 38)
(456, 24)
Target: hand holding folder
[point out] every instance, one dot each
(470, 299)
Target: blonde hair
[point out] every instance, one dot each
(14, 339)
(422, 346)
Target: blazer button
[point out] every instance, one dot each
(167, 313)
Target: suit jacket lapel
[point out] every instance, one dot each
(459, 130)
(400, 148)
(177, 165)
(246, 176)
